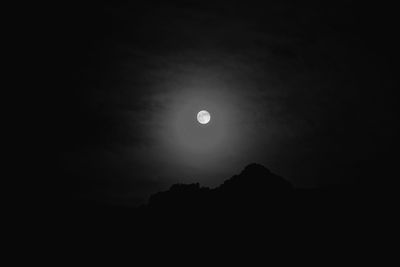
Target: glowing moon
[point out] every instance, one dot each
(203, 117)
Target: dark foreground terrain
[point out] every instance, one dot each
(253, 205)
(253, 215)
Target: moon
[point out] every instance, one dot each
(203, 117)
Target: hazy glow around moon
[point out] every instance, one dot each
(203, 117)
(202, 150)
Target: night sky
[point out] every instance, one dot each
(302, 88)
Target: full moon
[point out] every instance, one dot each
(203, 117)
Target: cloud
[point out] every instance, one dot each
(288, 83)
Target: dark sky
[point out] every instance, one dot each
(303, 88)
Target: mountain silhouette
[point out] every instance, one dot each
(253, 188)
(255, 204)
(255, 191)
(256, 179)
